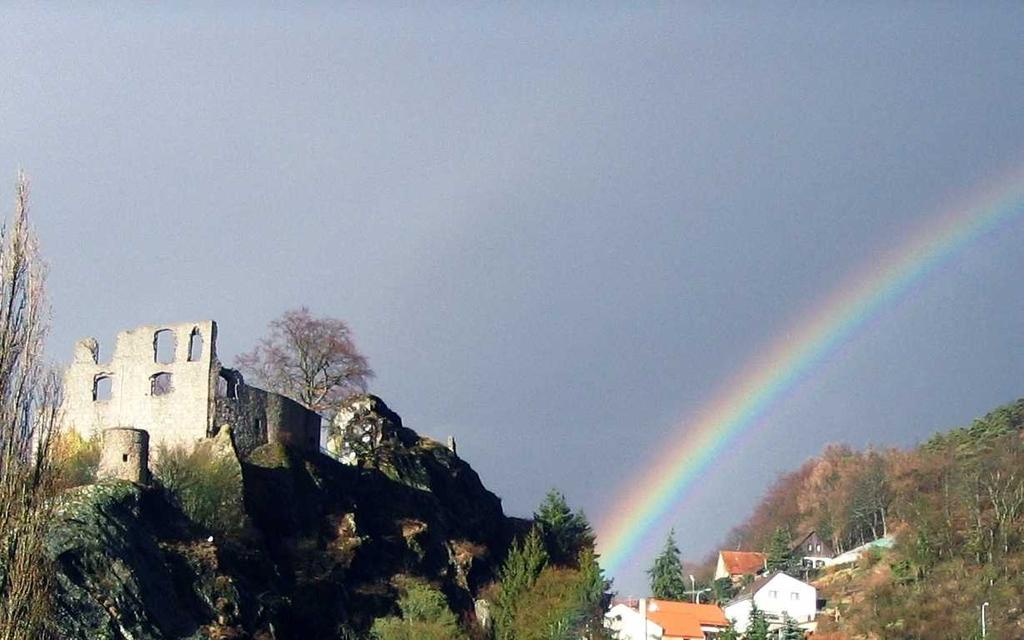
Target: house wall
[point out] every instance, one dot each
(739, 613)
(720, 570)
(627, 623)
(180, 417)
(802, 609)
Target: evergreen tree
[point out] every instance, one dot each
(565, 532)
(592, 594)
(525, 561)
(729, 633)
(666, 573)
(791, 630)
(722, 590)
(758, 627)
(779, 550)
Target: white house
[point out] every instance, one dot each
(665, 620)
(736, 564)
(778, 595)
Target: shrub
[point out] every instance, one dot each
(206, 484)
(77, 460)
(425, 616)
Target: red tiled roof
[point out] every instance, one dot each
(683, 619)
(742, 562)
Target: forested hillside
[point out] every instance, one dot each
(955, 505)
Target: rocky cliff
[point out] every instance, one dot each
(314, 553)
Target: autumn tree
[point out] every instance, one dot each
(29, 397)
(312, 360)
(666, 573)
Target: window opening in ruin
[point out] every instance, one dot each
(102, 388)
(163, 346)
(124, 457)
(160, 384)
(226, 386)
(195, 345)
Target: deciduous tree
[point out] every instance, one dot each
(29, 397)
(312, 360)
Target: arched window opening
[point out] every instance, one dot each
(195, 345)
(227, 386)
(102, 388)
(164, 344)
(160, 384)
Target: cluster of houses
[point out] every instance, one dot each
(775, 593)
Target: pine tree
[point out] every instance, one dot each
(666, 573)
(779, 550)
(524, 563)
(729, 633)
(565, 532)
(758, 627)
(592, 595)
(791, 630)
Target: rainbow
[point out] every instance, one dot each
(741, 402)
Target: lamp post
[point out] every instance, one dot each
(983, 605)
(693, 588)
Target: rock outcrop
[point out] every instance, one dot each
(316, 553)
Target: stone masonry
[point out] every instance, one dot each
(167, 380)
(124, 454)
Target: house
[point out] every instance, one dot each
(778, 595)
(736, 564)
(653, 619)
(813, 551)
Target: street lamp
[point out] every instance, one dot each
(983, 605)
(693, 588)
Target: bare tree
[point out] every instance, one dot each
(29, 398)
(311, 360)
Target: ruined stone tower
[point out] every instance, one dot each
(124, 454)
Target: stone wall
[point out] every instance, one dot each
(124, 454)
(257, 417)
(167, 380)
(169, 394)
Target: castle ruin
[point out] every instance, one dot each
(124, 454)
(167, 381)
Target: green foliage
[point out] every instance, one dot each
(565, 532)
(666, 573)
(999, 422)
(425, 616)
(722, 590)
(758, 627)
(790, 630)
(526, 559)
(538, 601)
(729, 633)
(77, 459)
(779, 550)
(205, 484)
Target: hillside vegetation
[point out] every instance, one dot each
(955, 505)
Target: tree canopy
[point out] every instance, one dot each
(312, 360)
(666, 573)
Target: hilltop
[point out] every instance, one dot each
(955, 508)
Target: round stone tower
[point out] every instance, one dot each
(124, 454)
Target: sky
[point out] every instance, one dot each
(556, 230)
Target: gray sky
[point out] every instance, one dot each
(554, 230)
